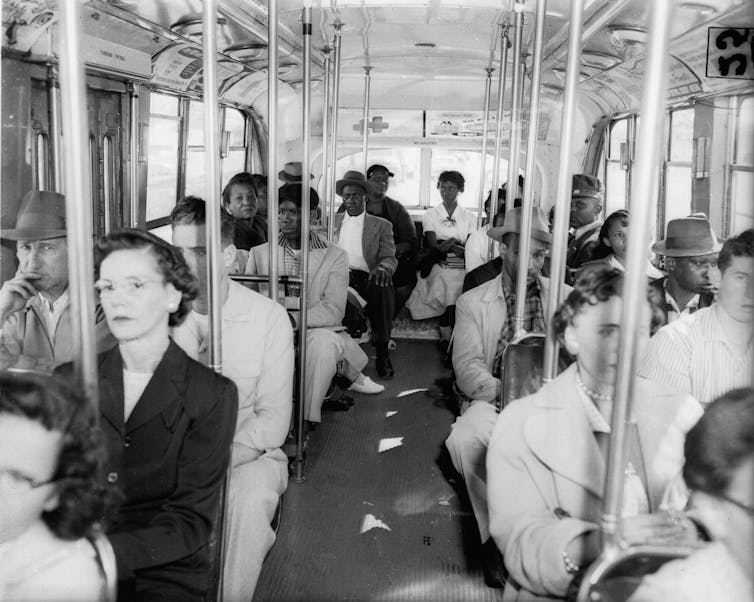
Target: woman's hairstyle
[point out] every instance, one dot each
(603, 250)
(452, 176)
(741, 245)
(293, 192)
(170, 260)
(56, 406)
(720, 442)
(243, 178)
(594, 286)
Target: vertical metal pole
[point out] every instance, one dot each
(504, 44)
(306, 19)
(524, 241)
(133, 149)
(365, 128)
(272, 144)
(635, 285)
(563, 194)
(483, 158)
(334, 134)
(516, 98)
(53, 99)
(78, 200)
(326, 127)
(212, 189)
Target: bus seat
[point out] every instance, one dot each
(107, 564)
(215, 547)
(616, 578)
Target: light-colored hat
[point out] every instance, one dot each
(354, 178)
(41, 216)
(512, 223)
(292, 172)
(688, 237)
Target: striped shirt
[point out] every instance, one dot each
(692, 355)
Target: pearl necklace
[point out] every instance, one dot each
(593, 395)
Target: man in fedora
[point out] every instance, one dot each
(690, 250)
(35, 316)
(585, 222)
(711, 351)
(368, 240)
(292, 172)
(484, 328)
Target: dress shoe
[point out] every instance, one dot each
(338, 404)
(495, 574)
(384, 367)
(367, 387)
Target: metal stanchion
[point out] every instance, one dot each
(325, 127)
(365, 128)
(516, 98)
(272, 144)
(483, 158)
(53, 99)
(334, 135)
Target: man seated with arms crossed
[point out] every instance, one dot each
(690, 250)
(710, 351)
(328, 346)
(258, 357)
(484, 328)
(368, 240)
(35, 315)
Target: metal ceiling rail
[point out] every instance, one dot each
(516, 101)
(334, 131)
(483, 158)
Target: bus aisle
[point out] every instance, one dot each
(430, 551)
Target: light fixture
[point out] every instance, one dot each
(599, 60)
(425, 45)
(190, 25)
(627, 35)
(247, 52)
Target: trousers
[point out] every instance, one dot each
(380, 304)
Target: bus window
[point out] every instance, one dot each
(616, 166)
(162, 178)
(469, 164)
(742, 170)
(678, 164)
(235, 130)
(404, 162)
(195, 170)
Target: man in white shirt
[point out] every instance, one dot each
(35, 317)
(257, 344)
(711, 351)
(368, 240)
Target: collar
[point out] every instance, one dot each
(315, 242)
(347, 217)
(693, 303)
(56, 306)
(584, 229)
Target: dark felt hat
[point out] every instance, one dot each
(688, 237)
(293, 192)
(292, 172)
(40, 216)
(378, 167)
(354, 178)
(583, 185)
(512, 224)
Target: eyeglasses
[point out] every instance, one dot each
(130, 286)
(13, 481)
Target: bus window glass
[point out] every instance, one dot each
(196, 124)
(742, 192)
(677, 192)
(164, 232)
(469, 164)
(196, 182)
(42, 155)
(162, 177)
(615, 187)
(236, 125)
(162, 104)
(232, 164)
(745, 133)
(681, 134)
(403, 162)
(618, 135)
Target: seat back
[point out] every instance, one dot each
(107, 565)
(216, 547)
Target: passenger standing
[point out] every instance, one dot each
(35, 312)
(585, 222)
(711, 351)
(257, 355)
(167, 420)
(690, 250)
(446, 228)
(547, 455)
(368, 240)
(240, 200)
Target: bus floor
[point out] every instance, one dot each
(425, 545)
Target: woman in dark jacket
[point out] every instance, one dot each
(167, 420)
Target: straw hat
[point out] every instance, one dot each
(354, 178)
(292, 172)
(688, 237)
(41, 216)
(512, 224)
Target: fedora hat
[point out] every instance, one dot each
(688, 237)
(292, 172)
(354, 178)
(40, 216)
(512, 224)
(583, 185)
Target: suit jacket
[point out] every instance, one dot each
(169, 460)
(404, 230)
(26, 342)
(544, 456)
(376, 242)
(327, 281)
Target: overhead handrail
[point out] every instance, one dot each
(365, 126)
(78, 202)
(334, 133)
(483, 158)
(563, 190)
(524, 241)
(53, 100)
(516, 102)
(133, 151)
(272, 144)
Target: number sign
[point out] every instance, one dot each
(730, 52)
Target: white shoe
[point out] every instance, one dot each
(368, 387)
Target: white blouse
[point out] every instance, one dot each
(460, 225)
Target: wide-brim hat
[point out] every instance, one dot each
(354, 178)
(512, 223)
(378, 167)
(688, 237)
(41, 216)
(292, 172)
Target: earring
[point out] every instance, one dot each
(172, 307)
